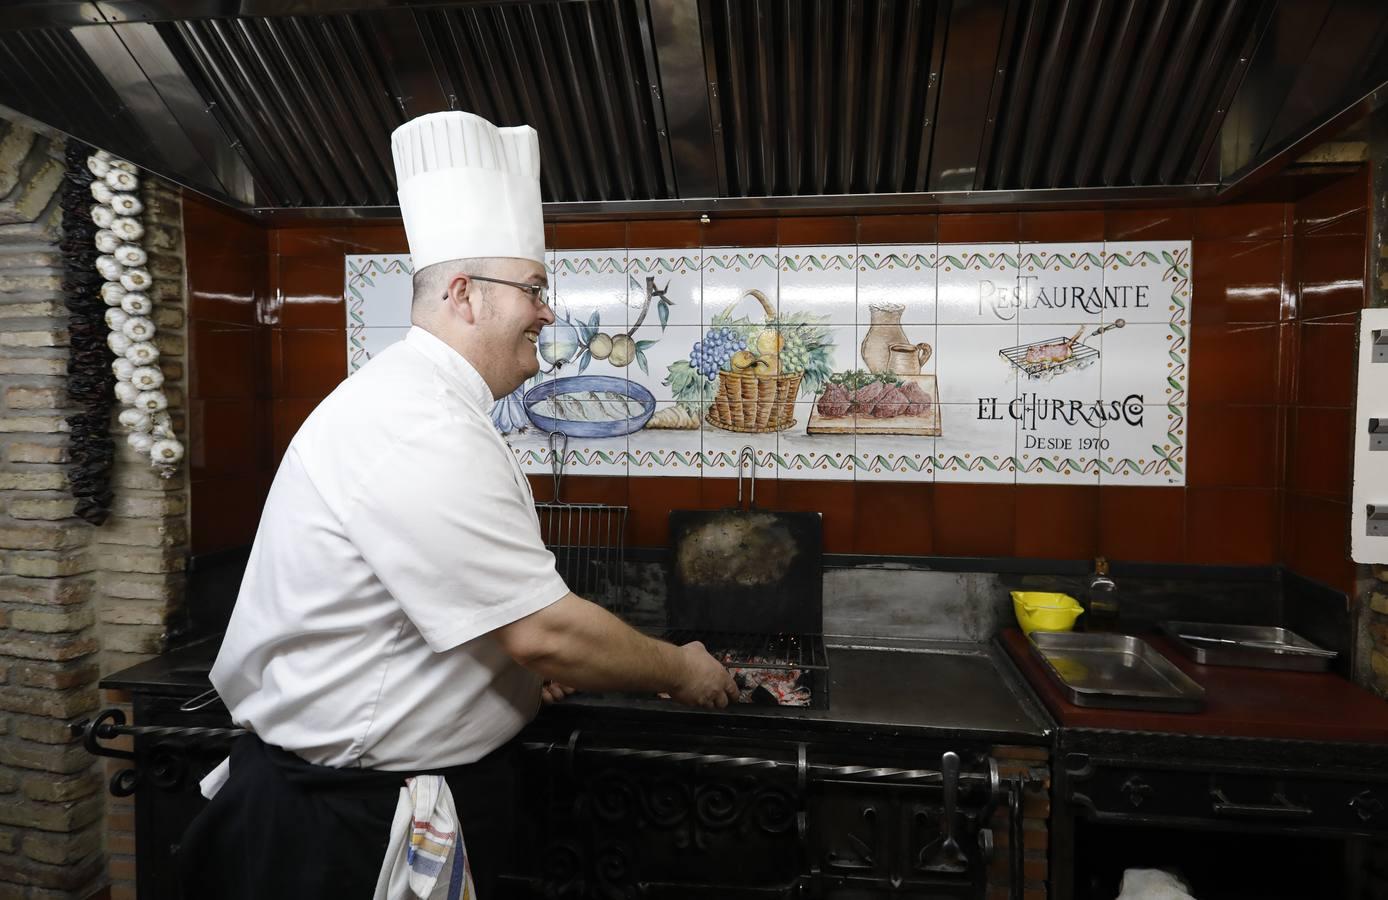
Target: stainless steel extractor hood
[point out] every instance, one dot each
(650, 106)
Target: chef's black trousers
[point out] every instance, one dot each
(284, 828)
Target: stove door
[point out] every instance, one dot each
(875, 840)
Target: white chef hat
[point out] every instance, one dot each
(468, 189)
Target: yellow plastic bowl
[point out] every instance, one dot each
(1042, 611)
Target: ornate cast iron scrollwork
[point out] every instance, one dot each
(1366, 805)
(1136, 790)
(163, 764)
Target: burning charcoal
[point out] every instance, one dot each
(763, 696)
(891, 404)
(835, 401)
(866, 397)
(918, 402)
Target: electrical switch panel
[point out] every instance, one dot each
(1369, 501)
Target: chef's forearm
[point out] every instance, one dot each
(584, 646)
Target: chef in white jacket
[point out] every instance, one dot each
(399, 613)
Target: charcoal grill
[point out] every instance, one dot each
(748, 654)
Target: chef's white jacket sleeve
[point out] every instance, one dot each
(452, 534)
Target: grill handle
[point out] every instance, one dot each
(745, 456)
(1282, 809)
(558, 451)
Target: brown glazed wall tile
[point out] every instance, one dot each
(222, 360)
(836, 500)
(812, 230)
(974, 519)
(1335, 201)
(212, 229)
(1237, 281)
(286, 417)
(309, 292)
(1330, 275)
(1149, 224)
(1142, 524)
(223, 436)
(1241, 221)
(1057, 521)
(312, 241)
(1354, 224)
(1288, 361)
(740, 232)
(721, 493)
(1232, 526)
(385, 237)
(980, 228)
(1233, 364)
(1291, 300)
(589, 235)
(226, 288)
(1320, 451)
(307, 363)
(1067, 225)
(893, 519)
(1316, 540)
(1233, 446)
(1326, 362)
(664, 233)
(225, 512)
(651, 501)
(915, 228)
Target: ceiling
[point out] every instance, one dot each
(657, 106)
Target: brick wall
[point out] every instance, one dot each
(1032, 764)
(76, 601)
(1375, 620)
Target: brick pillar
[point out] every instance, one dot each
(76, 601)
(1032, 764)
(51, 805)
(1375, 619)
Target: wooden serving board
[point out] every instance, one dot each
(927, 425)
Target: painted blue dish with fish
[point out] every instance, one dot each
(594, 406)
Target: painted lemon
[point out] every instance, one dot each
(769, 342)
(623, 350)
(600, 346)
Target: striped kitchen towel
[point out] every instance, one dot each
(426, 858)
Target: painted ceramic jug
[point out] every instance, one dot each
(907, 359)
(883, 331)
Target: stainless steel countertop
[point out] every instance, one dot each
(898, 685)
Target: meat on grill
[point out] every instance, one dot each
(768, 686)
(1053, 352)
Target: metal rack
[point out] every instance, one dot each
(759, 651)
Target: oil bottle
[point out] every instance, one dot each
(1101, 600)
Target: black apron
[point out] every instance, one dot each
(284, 828)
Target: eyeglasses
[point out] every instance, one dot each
(539, 293)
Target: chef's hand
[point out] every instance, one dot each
(704, 682)
(553, 692)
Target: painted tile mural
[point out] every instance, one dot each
(1031, 363)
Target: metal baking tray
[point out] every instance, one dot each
(1257, 646)
(1116, 671)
